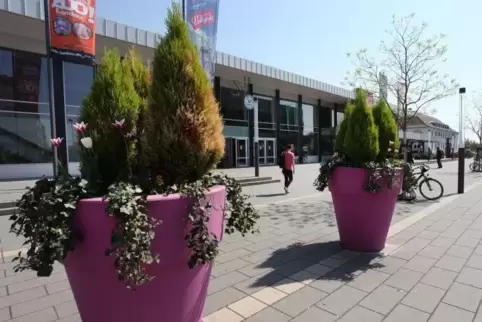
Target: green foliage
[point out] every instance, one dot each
(361, 138)
(45, 220)
(387, 130)
(140, 74)
(142, 84)
(340, 137)
(112, 98)
(183, 127)
(132, 235)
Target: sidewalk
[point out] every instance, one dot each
(11, 191)
(431, 271)
(295, 271)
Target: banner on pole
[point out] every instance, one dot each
(72, 29)
(202, 19)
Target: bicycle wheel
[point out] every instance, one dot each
(472, 166)
(432, 185)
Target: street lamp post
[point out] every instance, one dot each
(251, 103)
(256, 139)
(461, 173)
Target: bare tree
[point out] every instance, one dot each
(474, 119)
(407, 66)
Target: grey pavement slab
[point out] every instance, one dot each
(295, 270)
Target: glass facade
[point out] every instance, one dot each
(77, 83)
(266, 114)
(289, 124)
(309, 140)
(25, 130)
(24, 108)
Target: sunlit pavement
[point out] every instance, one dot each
(294, 269)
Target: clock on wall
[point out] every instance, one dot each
(249, 102)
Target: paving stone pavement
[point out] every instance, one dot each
(294, 270)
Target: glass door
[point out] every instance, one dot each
(262, 152)
(242, 152)
(270, 151)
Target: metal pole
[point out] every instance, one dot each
(183, 6)
(50, 84)
(461, 172)
(256, 140)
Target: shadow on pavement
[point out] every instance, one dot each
(298, 257)
(271, 195)
(422, 200)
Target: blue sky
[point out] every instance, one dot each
(311, 37)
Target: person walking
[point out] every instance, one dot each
(287, 164)
(439, 157)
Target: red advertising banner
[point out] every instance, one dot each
(72, 28)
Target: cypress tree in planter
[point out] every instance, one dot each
(364, 181)
(146, 214)
(340, 137)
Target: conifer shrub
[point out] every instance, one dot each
(340, 136)
(387, 130)
(142, 83)
(361, 138)
(113, 97)
(140, 74)
(183, 128)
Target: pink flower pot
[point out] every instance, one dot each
(363, 218)
(176, 294)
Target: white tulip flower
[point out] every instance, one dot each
(87, 142)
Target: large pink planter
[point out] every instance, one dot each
(363, 218)
(177, 293)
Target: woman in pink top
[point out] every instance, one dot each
(289, 166)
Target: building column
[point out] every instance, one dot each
(335, 117)
(217, 88)
(299, 149)
(320, 122)
(59, 111)
(277, 115)
(250, 128)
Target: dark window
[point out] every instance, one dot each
(232, 105)
(23, 77)
(310, 142)
(6, 63)
(77, 83)
(286, 138)
(24, 137)
(266, 117)
(289, 116)
(327, 140)
(24, 109)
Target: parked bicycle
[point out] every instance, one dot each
(302, 159)
(475, 166)
(424, 182)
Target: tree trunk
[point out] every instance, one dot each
(404, 142)
(405, 150)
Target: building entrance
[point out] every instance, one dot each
(267, 151)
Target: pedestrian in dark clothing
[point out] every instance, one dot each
(439, 158)
(410, 157)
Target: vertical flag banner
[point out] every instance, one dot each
(202, 19)
(72, 29)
